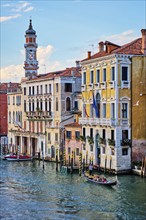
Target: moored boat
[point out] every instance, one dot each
(100, 181)
(17, 157)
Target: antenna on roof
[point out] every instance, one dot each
(92, 46)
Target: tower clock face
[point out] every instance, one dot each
(31, 55)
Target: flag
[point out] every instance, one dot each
(85, 111)
(95, 107)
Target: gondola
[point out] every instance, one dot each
(92, 179)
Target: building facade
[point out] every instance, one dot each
(108, 79)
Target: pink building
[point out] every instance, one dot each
(73, 144)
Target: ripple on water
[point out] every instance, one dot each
(29, 192)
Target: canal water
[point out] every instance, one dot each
(27, 192)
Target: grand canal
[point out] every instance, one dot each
(29, 192)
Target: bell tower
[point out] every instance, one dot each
(30, 63)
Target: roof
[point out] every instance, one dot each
(74, 124)
(9, 87)
(133, 47)
(68, 72)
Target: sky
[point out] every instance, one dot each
(65, 30)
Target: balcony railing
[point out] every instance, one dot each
(39, 114)
(125, 84)
(126, 142)
(97, 121)
(102, 141)
(111, 142)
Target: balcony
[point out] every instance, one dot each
(97, 121)
(103, 85)
(124, 122)
(111, 142)
(125, 84)
(76, 111)
(39, 115)
(111, 84)
(97, 85)
(102, 141)
(126, 142)
(83, 88)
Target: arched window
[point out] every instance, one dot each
(68, 104)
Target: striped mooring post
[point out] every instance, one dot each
(64, 157)
(80, 164)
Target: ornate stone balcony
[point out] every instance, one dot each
(97, 121)
(39, 115)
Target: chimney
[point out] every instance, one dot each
(101, 46)
(77, 63)
(143, 49)
(89, 54)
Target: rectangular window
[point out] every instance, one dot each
(24, 125)
(33, 90)
(49, 88)
(68, 87)
(84, 132)
(37, 90)
(77, 134)
(41, 89)
(46, 89)
(91, 76)
(104, 111)
(91, 110)
(68, 134)
(24, 105)
(29, 106)
(112, 110)
(49, 136)
(91, 132)
(8, 100)
(56, 136)
(33, 106)
(57, 89)
(125, 151)
(124, 73)
(29, 90)
(76, 104)
(77, 151)
(124, 110)
(56, 104)
(124, 134)
(103, 150)
(112, 135)
(84, 78)
(98, 76)
(112, 73)
(103, 134)
(13, 100)
(24, 90)
(104, 75)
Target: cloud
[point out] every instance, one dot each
(23, 7)
(16, 72)
(12, 73)
(120, 39)
(7, 18)
(123, 37)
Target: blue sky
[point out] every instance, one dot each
(66, 30)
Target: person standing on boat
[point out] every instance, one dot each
(90, 169)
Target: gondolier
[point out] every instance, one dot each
(90, 169)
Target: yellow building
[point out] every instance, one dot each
(110, 88)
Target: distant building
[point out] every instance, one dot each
(49, 101)
(114, 103)
(4, 89)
